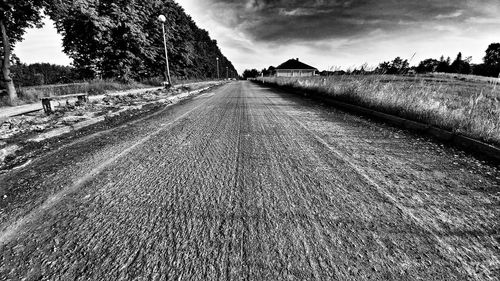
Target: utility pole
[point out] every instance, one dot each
(218, 75)
(163, 19)
(227, 72)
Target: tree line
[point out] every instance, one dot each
(43, 74)
(114, 39)
(460, 65)
(490, 66)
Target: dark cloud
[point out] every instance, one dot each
(309, 20)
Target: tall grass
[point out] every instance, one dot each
(94, 87)
(465, 106)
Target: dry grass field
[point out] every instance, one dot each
(463, 104)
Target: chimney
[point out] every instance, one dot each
(297, 59)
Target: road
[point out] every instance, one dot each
(247, 182)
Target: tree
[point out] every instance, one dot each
(15, 17)
(427, 66)
(269, 71)
(491, 65)
(42, 73)
(460, 65)
(384, 67)
(397, 66)
(444, 65)
(123, 39)
(493, 55)
(253, 73)
(103, 38)
(492, 61)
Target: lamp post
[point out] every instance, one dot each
(218, 75)
(163, 19)
(227, 72)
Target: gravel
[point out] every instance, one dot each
(249, 183)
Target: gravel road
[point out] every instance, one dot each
(251, 183)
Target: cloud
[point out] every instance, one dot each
(346, 33)
(476, 20)
(323, 33)
(308, 20)
(449, 16)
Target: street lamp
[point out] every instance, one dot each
(163, 19)
(227, 72)
(218, 75)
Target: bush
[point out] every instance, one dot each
(155, 81)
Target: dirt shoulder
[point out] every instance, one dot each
(21, 136)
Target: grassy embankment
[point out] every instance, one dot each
(461, 104)
(95, 87)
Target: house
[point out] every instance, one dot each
(295, 68)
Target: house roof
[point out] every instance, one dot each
(295, 64)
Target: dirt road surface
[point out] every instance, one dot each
(248, 183)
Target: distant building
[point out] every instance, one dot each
(295, 68)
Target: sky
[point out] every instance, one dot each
(327, 34)
(42, 45)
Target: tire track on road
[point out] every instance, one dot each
(447, 248)
(239, 190)
(9, 232)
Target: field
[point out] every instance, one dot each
(462, 104)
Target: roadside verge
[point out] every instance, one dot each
(477, 147)
(119, 109)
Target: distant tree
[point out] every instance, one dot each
(384, 67)
(43, 73)
(460, 65)
(250, 73)
(427, 66)
(456, 65)
(493, 55)
(15, 17)
(485, 70)
(397, 66)
(491, 65)
(269, 71)
(400, 65)
(444, 65)
(363, 70)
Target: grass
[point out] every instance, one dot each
(33, 94)
(95, 87)
(464, 105)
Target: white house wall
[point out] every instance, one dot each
(295, 73)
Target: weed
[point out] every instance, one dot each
(94, 87)
(470, 107)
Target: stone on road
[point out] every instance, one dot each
(251, 183)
